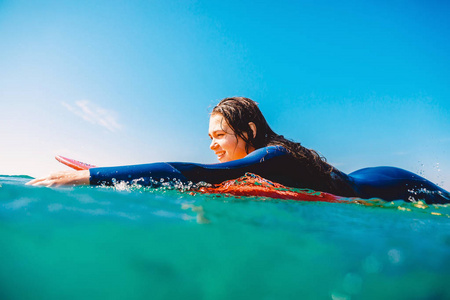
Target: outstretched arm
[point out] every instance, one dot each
(264, 162)
(62, 178)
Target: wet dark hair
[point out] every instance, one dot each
(240, 111)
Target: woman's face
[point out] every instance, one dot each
(224, 142)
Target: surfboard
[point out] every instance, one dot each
(74, 164)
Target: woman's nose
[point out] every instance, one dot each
(213, 144)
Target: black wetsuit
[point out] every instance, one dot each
(275, 164)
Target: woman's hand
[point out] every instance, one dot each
(62, 178)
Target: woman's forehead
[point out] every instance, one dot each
(218, 122)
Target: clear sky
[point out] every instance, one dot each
(365, 83)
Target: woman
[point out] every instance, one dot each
(244, 142)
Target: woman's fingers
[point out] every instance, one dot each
(35, 181)
(44, 181)
(62, 178)
(40, 182)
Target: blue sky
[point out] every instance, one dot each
(365, 83)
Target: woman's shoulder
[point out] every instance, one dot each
(269, 152)
(271, 149)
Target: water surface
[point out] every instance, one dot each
(141, 243)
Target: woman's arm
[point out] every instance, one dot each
(63, 178)
(272, 163)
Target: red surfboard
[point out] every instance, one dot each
(74, 164)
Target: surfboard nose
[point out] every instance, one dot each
(74, 164)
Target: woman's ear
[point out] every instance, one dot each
(253, 128)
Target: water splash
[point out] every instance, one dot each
(255, 188)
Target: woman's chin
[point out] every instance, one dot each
(223, 159)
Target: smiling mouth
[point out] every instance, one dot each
(220, 154)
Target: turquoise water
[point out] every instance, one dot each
(122, 243)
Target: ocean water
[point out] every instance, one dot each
(141, 243)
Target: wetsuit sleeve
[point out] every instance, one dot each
(145, 174)
(264, 162)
